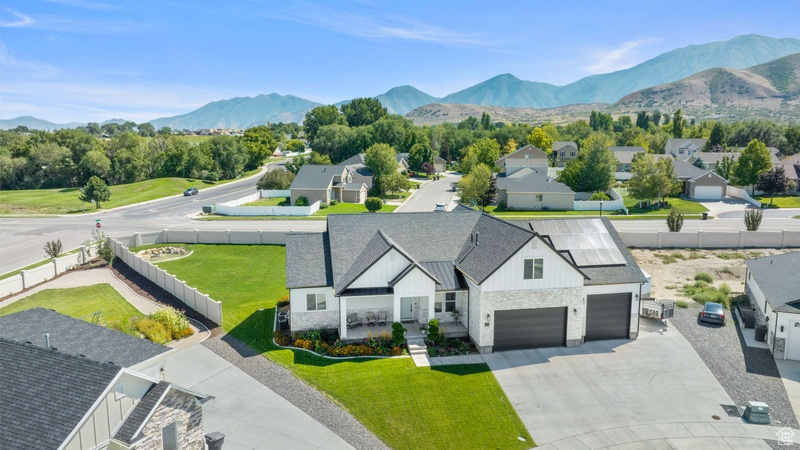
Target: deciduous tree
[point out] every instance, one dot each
(381, 159)
(363, 111)
(678, 124)
(593, 169)
(541, 140)
(260, 143)
(95, 191)
(276, 179)
(754, 159)
(475, 186)
(320, 117)
(773, 181)
(725, 167)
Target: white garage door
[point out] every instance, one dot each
(708, 192)
(793, 341)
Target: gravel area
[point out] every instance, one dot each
(305, 397)
(746, 374)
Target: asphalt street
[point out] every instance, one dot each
(431, 193)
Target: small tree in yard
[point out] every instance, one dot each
(773, 181)
(53, 248)
(102, 246)
(398, 333)
(752, 219)
(373, 204)
(95, 191)
(275, 180)
(675, 220)
(433, 330)
(301, 201)
(428, 168)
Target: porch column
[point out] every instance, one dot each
(342, 317)
(431, 307)
(396, 309)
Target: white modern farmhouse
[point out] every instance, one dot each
(544, 283)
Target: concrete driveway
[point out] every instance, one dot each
(654, 391)
(431, 193)
(250, 415)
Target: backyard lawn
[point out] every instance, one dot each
(66, 201)
(453, 406)
(274, 201)
(784, 201)
(78, 302)
(351, 208)
(686, 207)
(514, 213)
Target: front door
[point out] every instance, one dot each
(406, 308)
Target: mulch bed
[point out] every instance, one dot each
(147, 289)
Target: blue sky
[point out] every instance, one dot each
(91, 60)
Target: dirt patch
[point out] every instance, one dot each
(672, 268)
(149, 290)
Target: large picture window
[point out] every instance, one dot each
(534, 269)
(315, 302)
(449, 303)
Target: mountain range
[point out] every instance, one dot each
(506, 90)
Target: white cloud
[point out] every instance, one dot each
(19, 67)
(20, 21)
(622, 57)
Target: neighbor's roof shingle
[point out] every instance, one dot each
(558, 145)
(45, 393)
(685, 171)
(77, 337)
(526, 150)
(777, 276)
(315, 177)
(527, 180)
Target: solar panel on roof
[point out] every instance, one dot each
(586, 239)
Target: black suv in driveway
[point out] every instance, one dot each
(189, 192)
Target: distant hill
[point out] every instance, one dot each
(241, 112)
(436, 113)
(507, 90)
(403, 99)
(35, 124)
(773, 86)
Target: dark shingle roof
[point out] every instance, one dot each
(142, 410)
(527, 180)
(521, 152)
(777, 276)
(77, 337)
(497, 241)
(45, 393)
(445, 271)
(685, 171)
(353, 160)
(374, 250)
(308, 260)
(315, 177)
(558, 145)
(676, 143)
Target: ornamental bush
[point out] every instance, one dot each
(373, 204)
(398, 333)
(301, 201)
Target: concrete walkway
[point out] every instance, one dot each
(790, 373)
(419, 352)
(250, 415)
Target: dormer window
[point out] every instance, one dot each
(527, 156)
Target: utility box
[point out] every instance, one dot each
(757, 412)
(209, 209)
(214, 440)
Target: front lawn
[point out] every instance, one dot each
(274, 201)
(686, 206)
(454, 406)
(78, 302)
(66, 201)
(351, 208)
(784, 201)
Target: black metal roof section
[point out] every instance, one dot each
(308, 260)
(77, 337)
(127, 433)
(778, 276)
(366, 292)
(45, 393)
(449, 278)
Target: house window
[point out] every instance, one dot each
(572, 154)
(563, 153)
(538, 197)
(527, 156)
(315, 302)
(534, 269)
(169, 436)
(449, 303)
(680, 151)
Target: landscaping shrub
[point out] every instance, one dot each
(334, 202)
(126, 326)
(154, 331)
(433, 330)
(682, 304)
(323, 205)
(398, 333)
(373, 204)
(675, 220)
(301, 201)
(281, 338)
(704, 276)
(283, 301)
(599, 196)
(174, 321)
(752, 219)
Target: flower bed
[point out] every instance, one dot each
(326, 342)
(439, 345)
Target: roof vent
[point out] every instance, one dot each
(477, 233)
(47, 340)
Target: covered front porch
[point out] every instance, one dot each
(413, 330)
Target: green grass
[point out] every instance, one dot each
(686, 207)
(784, 201)
(215, 217)
(351, 208)
(78, 302)
(492, 209)
(65, 201)
(453, 406)
(35, 265)
(274, 201)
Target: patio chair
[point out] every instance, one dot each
(354, 321)
(372, 319)
(382, 318)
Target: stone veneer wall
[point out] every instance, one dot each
(177, 407)
(315, 319)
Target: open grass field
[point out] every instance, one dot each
(784, 201)
(65, 201)
(686, 207)
(351, 208)
(77, 302)
(453, 406)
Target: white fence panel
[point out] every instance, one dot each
(213, 237)
(182, 236)
(10, 285)
(273, 237)
(245, 237)
(215, 311)
(738, 192)
(681, 240)
(614, 204)
(720, 239)
(639, 239)
(272, 193)
(38, 274)
(760, 239)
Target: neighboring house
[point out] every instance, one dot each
(79, 392)
(402, 161)
(533, 190)
(527, 156)
(700, 184)
(549, 283)
(791, 165)
(774, 287)
(684, 148)
(564, 151)
(326, 183)
(711, 159)
(439, 164)
(625, 154)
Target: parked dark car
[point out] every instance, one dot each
(713, 313)
(189, 192)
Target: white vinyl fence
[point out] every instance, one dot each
(234, 208)
(712, 239)
(32, 277)
(741, 193)
(194, 299)
(616, 202)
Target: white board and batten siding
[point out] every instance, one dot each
(780, 325)
(510, 276)
(382, 272)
